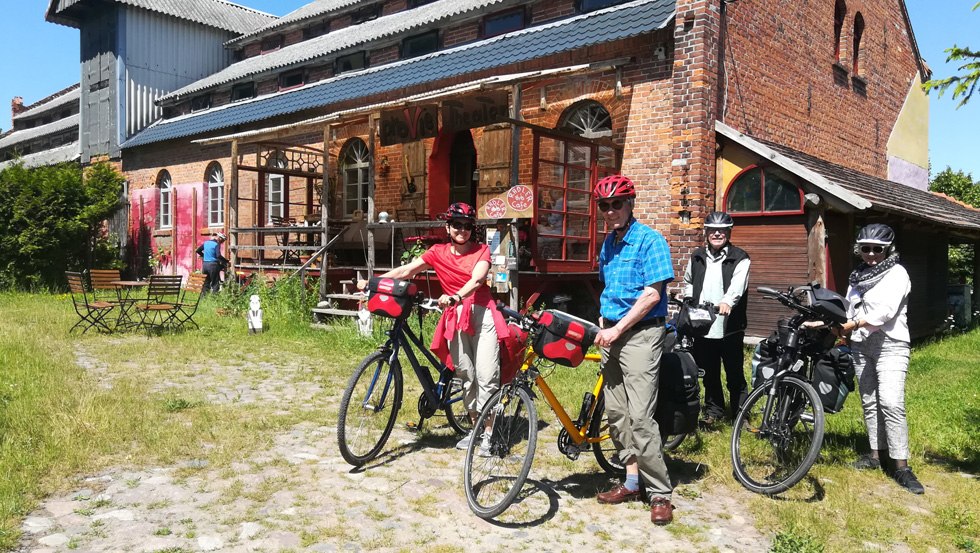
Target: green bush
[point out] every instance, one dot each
(51, 220)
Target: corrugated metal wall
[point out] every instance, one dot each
(160, 55)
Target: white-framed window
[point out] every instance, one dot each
(166, 188)
(354, 165)
(275, 186)
(215, 178)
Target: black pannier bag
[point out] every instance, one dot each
(829, 304)
(695, 320)
(765, 360)
(391, 297)
(564, 338)
(833, 378)
(679, 398)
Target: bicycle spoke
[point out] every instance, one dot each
(368, 409)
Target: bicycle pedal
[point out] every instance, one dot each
(413, 426)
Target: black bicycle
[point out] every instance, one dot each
(373, 396)
(779, 430)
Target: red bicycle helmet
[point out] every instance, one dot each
(614, 186)
(461, 210)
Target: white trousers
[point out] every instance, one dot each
(477, 359)
(881, 365)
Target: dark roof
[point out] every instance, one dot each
(615, 23)
(308, 11)
(61, 154)
(889, 196)
(71, 95)
(402, 22)
(25, 135)
(212, 13)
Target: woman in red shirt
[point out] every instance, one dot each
(468, 334)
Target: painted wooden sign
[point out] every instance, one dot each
(475, 111)
(516, 202)
(409, 124)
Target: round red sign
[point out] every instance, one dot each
(495, 208)
(520, 197)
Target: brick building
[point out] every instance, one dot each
(342, 110)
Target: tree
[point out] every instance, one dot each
(961, 186)
(965, 83)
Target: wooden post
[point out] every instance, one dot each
(232, 208)
(194, 230)
(324, 206)
(372, 123)
(976, 276)
(173, 230)
(817, 247)
(515, 173)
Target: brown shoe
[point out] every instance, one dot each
(619, 494)
(661, 511)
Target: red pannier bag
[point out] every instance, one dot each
(391, 297)
(512, 352)
(564, 338)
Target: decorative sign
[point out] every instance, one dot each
(515, 203)
(475, 111)
(409, 124)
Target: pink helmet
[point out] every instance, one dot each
(614, 186)
(460, 210)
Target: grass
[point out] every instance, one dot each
(59, 420)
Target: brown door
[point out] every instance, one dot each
(777, 246)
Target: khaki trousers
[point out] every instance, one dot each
(631, 370)
(477, 359)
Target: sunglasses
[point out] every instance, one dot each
(462, 225)
(723, 231)
(614, 205)
(875, 249)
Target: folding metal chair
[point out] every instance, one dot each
(159, 309)
(91, 312)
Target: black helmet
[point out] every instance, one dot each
(876, 233)
(461, 210)
(718, 219)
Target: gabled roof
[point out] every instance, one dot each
(25, 135)
(309, 11)
(566, 35)
(61, 154)
(859, 190)
(212, 13)
(356, 35)
(72, 96)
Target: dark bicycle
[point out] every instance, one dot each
(779, 430)
(373, 396)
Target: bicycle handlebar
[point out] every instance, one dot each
(508, 312)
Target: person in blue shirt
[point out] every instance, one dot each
(210, 251)
(635, 268)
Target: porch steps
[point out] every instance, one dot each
(331, 306)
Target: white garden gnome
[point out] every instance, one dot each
(254, 315)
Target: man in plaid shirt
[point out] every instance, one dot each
(635, 267)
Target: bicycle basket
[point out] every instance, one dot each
(564, 338)
(391, 297)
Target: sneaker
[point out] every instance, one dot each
(484, 447)
(465, 441)
(867, 462)
(907, 480)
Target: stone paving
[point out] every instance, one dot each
(299, 495)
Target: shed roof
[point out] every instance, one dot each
(212, 13)
(342, 39)
(615, 23)
(25, 135)
(308, 11)
(69, 97)
(61, 154)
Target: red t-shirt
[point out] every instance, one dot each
(456, 270)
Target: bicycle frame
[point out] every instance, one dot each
(436, 393)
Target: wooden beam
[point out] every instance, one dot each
(324, 207)
(817, 247)
(232, 202)
(372, 127)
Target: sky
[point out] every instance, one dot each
(41, 58)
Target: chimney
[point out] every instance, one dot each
(17, 106)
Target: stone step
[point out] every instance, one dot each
(336, 312)
(351, 297)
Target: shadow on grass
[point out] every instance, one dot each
(425, 441)
(970, 461)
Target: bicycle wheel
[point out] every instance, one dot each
(368, 408)
(777, 438)
(672, 441)
(604, 450)
(493, 477)
(459, 419)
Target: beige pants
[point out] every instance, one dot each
(477, 358)
(631, 370)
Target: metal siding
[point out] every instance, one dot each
(98, 64)
(163, 54)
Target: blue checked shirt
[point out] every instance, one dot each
(640, 259)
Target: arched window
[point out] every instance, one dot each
(215, 178)
(166, 188)
(856, 51)
(763, 191)
(840, 11)
(587, 118)
(354, 163)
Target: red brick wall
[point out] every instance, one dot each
(784, 88)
